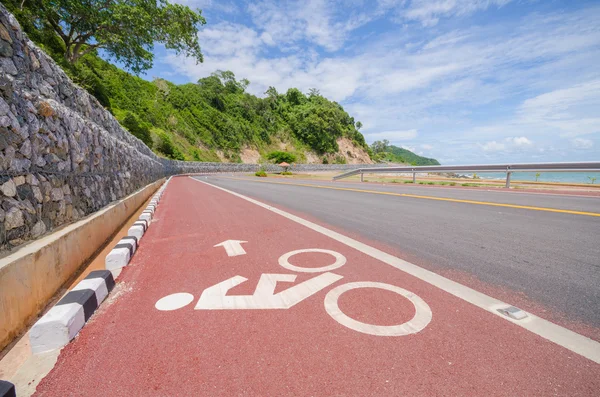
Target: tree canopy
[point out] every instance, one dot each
(125, 29)
(383, 151)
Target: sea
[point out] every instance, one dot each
(564, 177)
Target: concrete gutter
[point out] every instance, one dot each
(31, 276)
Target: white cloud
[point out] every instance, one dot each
(228, 7)
(580, 143)
(392, 136)
(426, 147)
(428, 12)
(492, 146)
(572, 110)
(519, 141)
(311, 20)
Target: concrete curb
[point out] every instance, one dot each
(7, 389)
(61, 323)
(120, 256)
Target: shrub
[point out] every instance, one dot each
(452, 183)
(408, 182)
(339, 160)
(167, 147)
(325, 161)
(262, 172)
(139, 130)
(280, 157)
(286, 173)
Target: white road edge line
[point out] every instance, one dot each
(564, 337)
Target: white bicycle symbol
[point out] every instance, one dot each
(215, 298)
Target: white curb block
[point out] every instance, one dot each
(138, 229)
(57, 327)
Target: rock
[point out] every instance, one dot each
(16, 242)
(4, 108)
(56, 194)
(32, 180)
(2, 215)
(9, 188)
(5, 49)
(45, 110)
(25, 148)
(9, 153)
(38, 229)
(19, 180)
(8, 66)
(20, 165)
(13, 219)
(40, 162)
(35, 64)
(65, 89)
(66, 189)
(26, 204)
(5, 121)
(4, 35)
(37, 193)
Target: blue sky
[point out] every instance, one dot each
(464, 81)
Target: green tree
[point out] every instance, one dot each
(166, 147)
(280, 157)
(358, 125)
(140, 131)
(295, 96)
(380, 146)
(125, 29)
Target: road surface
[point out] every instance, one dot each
(551, 258)
(230, 296)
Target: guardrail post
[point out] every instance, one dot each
(361, 177)
(508, 179)
(414, 177)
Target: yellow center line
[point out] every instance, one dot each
(525, 207)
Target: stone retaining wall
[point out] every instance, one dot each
(62, 155)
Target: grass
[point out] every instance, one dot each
(261, 173)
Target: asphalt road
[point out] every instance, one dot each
(544, 260)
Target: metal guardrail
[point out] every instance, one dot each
(507, 168)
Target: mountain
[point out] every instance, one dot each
(402, 155)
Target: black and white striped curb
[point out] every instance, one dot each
(57, 327)
(7, 389)
(62, 323)
(122, 253)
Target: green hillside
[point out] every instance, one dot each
(210, 120)
(383, 151)
(406, 156)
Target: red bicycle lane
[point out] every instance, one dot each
(222, 345)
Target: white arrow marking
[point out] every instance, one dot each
(233, 247)
(215, 297)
